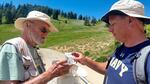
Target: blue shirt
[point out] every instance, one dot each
(11, 66)
(120, 69)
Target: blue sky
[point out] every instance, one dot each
(96, 8)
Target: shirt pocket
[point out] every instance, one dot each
(30, 71)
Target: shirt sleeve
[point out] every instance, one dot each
(11, 66)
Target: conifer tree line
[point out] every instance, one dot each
(9, 12)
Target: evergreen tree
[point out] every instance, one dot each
(1, 14)
(22, 11)
(87, 21)
(75, 16)
(0, 18)
(8, 12)
(55, 14)
(93, 21)
(50, 11)
(65, 15)
(80, 17)
(70, 15)
(62, 13)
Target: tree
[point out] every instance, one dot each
(55, 14)
(22, 11)
(50, 11)
(93, 21)
(80, 17)
(74, 16)
(0, 14)
(70, 15)
(8, 12)
(63, 14)
(87, 21)
(0, 17)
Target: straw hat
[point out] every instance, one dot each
(35, 15)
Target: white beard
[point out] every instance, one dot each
(35, 38)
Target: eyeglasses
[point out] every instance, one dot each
(44, 30)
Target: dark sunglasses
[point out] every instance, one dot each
(44, 30)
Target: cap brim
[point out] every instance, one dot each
(105, 18)
(19, 24)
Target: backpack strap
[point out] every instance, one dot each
(140, 66)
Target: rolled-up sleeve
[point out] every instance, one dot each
(11, 66)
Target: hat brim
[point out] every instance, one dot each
(105, 18)
(19, 24)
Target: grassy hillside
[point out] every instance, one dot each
(94, 41)
(8, 31)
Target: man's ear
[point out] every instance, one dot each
(130, 20)
(28, 23)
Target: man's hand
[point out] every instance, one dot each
(59, 68)
(79, 57)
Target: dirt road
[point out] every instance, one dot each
(49, 55)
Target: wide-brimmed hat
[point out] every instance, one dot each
(127, 7)
(35, 15)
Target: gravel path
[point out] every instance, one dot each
(49, 55)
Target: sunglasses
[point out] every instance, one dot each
(44, 30)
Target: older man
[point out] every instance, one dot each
(126, 22)
(19, 60)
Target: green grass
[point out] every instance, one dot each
(8, 31)
(94, 41)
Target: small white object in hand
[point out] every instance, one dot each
(69, 58)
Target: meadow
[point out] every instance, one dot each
(94, 41)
